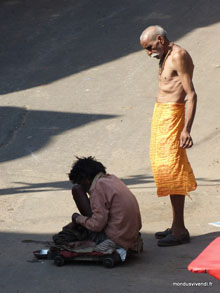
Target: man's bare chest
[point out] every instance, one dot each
(168, 73)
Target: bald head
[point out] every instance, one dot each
(154, 40)
(151, 32)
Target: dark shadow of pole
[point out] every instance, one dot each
(23, 132)
(43, 41)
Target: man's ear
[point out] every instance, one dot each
(161, 39)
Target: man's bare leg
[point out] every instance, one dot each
(178, 227)
(178, 234)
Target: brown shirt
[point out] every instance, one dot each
(115, 211)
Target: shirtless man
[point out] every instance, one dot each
(175, 83)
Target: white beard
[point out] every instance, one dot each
(155, 55)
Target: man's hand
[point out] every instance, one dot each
(74, 217)
(81, 199)
(185, 140)
(77, 188)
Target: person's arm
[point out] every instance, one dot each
(100, 212)
(81, 199)
(184, 67)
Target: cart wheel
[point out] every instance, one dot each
(59, 261)
(108, 261)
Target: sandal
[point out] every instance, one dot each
(171, 240)
(160, 235)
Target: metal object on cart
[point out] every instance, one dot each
(41, 254)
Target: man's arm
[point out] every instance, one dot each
(81, 199)
(184, 67)
(100, 212)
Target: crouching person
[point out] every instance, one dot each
(110, 216)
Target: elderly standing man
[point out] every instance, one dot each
(170, 130)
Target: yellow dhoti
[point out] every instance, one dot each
(171, 168)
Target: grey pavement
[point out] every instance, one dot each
(75, 82)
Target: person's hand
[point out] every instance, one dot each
(185, 140)
(74, 217)
(77, 187)
(77, 191)
(69, 226)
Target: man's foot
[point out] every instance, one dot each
(160, 235)
(171, 240)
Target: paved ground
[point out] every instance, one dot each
(74, 81)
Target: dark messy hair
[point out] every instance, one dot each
(85, 168)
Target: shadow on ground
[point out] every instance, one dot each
(29, 130)
(138, 179)
(134, 181)
(43, 41)
(155, 269)
(208, 182)
(26, 187)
